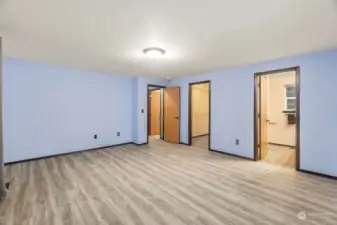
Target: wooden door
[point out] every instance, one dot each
(172, 114)
(263, 117)
(155, 112)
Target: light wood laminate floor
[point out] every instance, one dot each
(163, 184)
(200, 142)
(281, 155)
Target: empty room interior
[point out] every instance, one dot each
(168, 112)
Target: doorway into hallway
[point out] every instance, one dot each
(163, 119)
(199, 114)
(277, 115)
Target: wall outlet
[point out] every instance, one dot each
(237, 142)
(142, 110)
(95, 136)
(118, 134)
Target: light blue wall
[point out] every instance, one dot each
(232, 97)
(141, 94)
(50, 110)
(135, 109)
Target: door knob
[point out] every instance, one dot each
(176, 117)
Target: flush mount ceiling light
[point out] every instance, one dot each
(154, 53)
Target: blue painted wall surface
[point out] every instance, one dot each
(232, 99)
(134, 109)
(51, 110)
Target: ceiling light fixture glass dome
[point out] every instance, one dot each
(154, 52)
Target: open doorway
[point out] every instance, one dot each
(155, 125)
(163, 104)
(277, 117)
(199, 114)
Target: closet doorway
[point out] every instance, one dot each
(200, 114)
(155, 111)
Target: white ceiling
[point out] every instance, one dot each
(198, 35)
